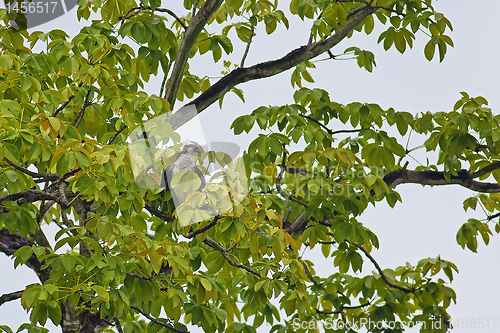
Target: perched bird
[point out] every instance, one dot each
(185, 161)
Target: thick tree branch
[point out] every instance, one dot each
(10, 243)
(265, 69)
(464, 178)
(190, 35)
(213, 244)
(156, 321)
(11, 296)
(381, 272)
(28, 196)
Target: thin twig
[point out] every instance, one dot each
(139, 276)
(369, 4)
(310, 276)
(329, 131)
(195, 232)
(278, 184)
(159, 214)
(74, 199)
(162, 10)
(33, 174)
(67, 222)
(60, 108)
(156, 321)
(381, 272)
(117, 325)
(80, 114)
(341, 309)
(171, 13)
(247, 48)
(213, 244)
(194, 8)
(486, 170)
(116, 134)
(163, 83)
(294, 170)
(491, 217)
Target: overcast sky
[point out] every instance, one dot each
(425, 224)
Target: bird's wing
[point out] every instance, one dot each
(167, 176)
(199, 174)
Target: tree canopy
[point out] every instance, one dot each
(126, 259)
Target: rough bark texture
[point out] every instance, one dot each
(269, 68)
(190, 35)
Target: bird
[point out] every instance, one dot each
(185, 161)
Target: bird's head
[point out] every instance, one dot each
(190, 147)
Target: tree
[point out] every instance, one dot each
(67, 113)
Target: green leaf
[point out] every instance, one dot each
(429, 50)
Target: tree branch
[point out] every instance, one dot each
(161, 215)
(156, 321)
(195, 232)
(171, 13)
(381, 272)
(42, 176)
(464, 178)
(11, 296)
(369, 3)
(278, 184)
(294, 170)
(116, 134)
(329, 131)
(195, 5)
(486, 170)
(491, 217)
(60, 108)
(265, 69)
(190, 35)
(138, 276)
(29, 196)
(163, 10)
(80, 114)
(247, 48)
(213, 244)
(10, 243)
(341, 309)
(310, 276)
(117, 325)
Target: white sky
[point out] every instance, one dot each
(425, 224)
